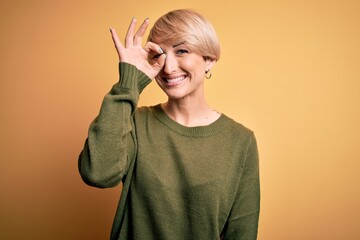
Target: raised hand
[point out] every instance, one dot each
(133, 52)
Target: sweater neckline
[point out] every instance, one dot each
(197, 131)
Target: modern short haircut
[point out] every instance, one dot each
(189, 27)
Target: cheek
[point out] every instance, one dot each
(194, 66)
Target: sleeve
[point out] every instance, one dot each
(111, 142)
(242, 223)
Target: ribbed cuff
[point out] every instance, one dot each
(130, 75)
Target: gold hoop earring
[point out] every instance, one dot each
(208, 74)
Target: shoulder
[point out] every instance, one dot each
(145, 110)
(144, 113)
(237, 128)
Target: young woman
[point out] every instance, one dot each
(188, 171)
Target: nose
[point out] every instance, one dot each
(170, 63)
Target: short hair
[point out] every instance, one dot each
(189, 27)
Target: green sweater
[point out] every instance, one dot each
(180, 182)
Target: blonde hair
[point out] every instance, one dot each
(189, 27)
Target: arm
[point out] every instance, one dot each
(111, 143)
(242, 223)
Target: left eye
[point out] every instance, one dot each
(181, 51)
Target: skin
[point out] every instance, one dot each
(177, 70)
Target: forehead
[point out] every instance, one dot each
(173, 45)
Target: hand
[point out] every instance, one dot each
(134, 54)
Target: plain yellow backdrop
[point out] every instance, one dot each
(289, 70)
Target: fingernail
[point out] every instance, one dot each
(160, 50)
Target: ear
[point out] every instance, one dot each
(209, 64)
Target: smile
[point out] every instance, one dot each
(175, 80)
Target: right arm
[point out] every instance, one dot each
(111, 143)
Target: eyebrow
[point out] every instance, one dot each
(178, 44)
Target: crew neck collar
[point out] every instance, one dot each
(196, 131)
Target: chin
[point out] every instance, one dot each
(175, 96)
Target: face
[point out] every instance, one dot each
(183, 73)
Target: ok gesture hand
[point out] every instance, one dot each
(133, 53)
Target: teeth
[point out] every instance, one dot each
(175, 80)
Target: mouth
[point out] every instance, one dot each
(173, 81)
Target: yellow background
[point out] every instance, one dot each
(289, 70)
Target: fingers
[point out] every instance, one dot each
(133, 38)
(129, 39)
(140, 32)
(161, 61)
(116, 40)
(132, 50)
(153, 49)
(156, 54)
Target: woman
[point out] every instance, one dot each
(188, 172)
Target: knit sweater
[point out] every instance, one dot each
(178, 182)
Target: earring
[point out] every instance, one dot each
(208, 74)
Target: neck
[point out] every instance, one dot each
(190, 113)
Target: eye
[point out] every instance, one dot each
(181, 51)
(156, 56)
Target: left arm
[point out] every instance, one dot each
(242, 223)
